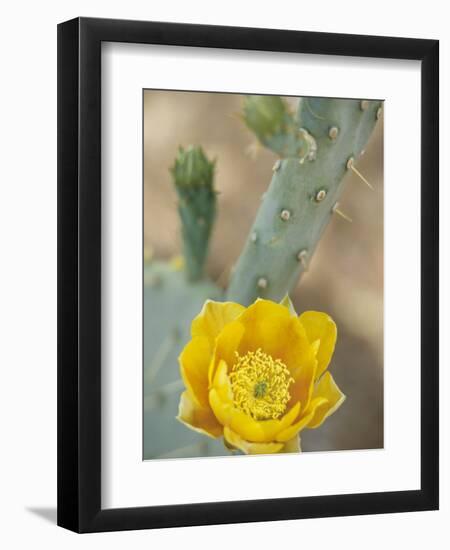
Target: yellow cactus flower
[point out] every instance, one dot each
(258, 376)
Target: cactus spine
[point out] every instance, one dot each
(193, 176)
(317, 147)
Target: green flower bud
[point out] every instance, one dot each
(192, 168)
(193, 176)
(265, 115)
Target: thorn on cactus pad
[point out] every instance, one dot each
(364, 105)
(262, 283)
(285, 215)
(301, 257)
(336, 210)
(351, 166)
(320, 195)
(333, 132)
(276, 166)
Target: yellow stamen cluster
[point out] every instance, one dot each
(260, 385)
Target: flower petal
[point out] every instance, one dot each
(198, 418)
(287, 303)
(293, 430)
(290, 416)
(265, 325)
(328, 389)
(271, 327)
(227, 343)
(304, 375)
(222, 383)
(213, 317)
(250, 429)
(293, 445)
(295, 351)
(320, 326)
(248, 447)
(222, 410)
(194, 365)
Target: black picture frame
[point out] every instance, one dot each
(79, 274)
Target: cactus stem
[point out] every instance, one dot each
(274, 240)
(301, 257)
(262, 283)
(364, 105)
(340, 213)
(314, 114)
(153, 280)
(333, 133)
(171, 387)
(351, 166)
(285, 215)
(254, 237)
(222, 278)
(160, 356)
(308, 188)
(156, 398)
(196, 449)
(320, 195)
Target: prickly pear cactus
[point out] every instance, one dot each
(317, 148)
(174, 293)
(170, 303)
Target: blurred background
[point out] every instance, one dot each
(345, 276)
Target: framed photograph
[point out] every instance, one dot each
(247, 275)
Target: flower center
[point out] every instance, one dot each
(260, 385)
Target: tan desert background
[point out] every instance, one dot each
(345, 277)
